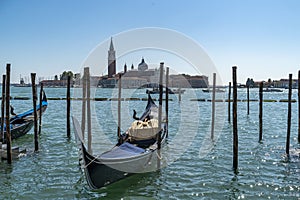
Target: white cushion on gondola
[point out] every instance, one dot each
(140, 130)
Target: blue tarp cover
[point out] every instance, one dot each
(123, 151)
(29, 112)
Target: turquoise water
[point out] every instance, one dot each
(193, 173)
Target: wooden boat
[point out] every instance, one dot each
(22, 123)
(170, 91)
(211, 90)
(136, 151)
(272, 90)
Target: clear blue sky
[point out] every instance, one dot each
(261, 37)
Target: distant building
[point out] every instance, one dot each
(106, 82)
(197, 81)
(134, 78)
(125, 68)
(77, 78)
(133, 82)
(145, 77)
(188, 81)
(22, 82)
(55, 83)
(142, 77)
(284, 83)
(142, 66)
(178, 81)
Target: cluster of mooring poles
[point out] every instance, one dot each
(5, 117)
(234, 113)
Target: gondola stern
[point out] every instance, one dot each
(77, 130)
(84, 155)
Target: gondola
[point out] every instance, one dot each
(22, 123)
(135, 152)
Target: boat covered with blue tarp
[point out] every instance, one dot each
(22, 123)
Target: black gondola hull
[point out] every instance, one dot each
(102, 172)
(21, 130)
(98, 174)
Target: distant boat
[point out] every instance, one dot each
(22, 123)
(211, 90)
(136, 151)
(272, 90)
(178, 91)
(156, 91)
(21, 85)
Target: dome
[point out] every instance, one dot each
(142, 66)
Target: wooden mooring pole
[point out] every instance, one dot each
(119, 107)
(235, 128)
(7, 113)
(248, 105)
(260, 111)
(88, 104)
(34, 99)
(160, 113)
(213, 107)
(287, 149)
(229, 101)
(68, 107)
(83, 103)
(299, 106)
(41, 110)
(179, 94)
(2, 107)
(167, 101)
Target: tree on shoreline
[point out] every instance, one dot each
(65, 74)
(250, 82)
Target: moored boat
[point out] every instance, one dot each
(272, 90)
(136, 151)
(170, 91)
(211, 90)
(22, 123)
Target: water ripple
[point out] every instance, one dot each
(264, 172)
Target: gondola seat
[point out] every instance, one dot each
(143, 130)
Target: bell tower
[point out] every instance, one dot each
(111, 60)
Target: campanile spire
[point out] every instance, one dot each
(111, 60)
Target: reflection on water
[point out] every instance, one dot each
(264, 173)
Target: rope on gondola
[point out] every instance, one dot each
(85, 166)
(159, 157)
